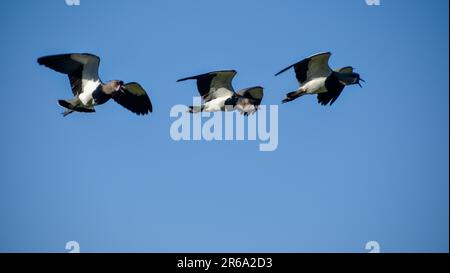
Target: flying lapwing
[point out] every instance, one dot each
(218, 94)
(316, 77)
(89, 90)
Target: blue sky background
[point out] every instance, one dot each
(374, 166)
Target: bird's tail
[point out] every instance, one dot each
(69, 104)
(195, 109)
(292, 96)
(74, 105)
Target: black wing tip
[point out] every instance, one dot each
(276, 74)
(285, 69)
(185, 79)
(143, 112)
(46, 57)
(44, 60)
(149, 108)
(208, 74)
(326, 102)
(322, 102)
(40, 60)
(193, 77)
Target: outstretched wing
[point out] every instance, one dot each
(249, 99)
(133, 97)
(214, 84)
(82, 69)
(312, 67)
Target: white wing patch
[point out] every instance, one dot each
(89, 87)
(90, 79)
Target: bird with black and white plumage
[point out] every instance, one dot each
(316, 77)
(89, 90)
(217, 93)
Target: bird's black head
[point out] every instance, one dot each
(117, 85)
(350, 78)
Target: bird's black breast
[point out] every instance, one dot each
(99, 96)
(334, 88)
(332, 83)
(231, 101)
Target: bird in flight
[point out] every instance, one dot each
(89, 91)
(316, 77)
(218, 94)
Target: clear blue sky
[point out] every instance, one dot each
(374, 166)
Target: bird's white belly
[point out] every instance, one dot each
(215, 105)
(88, 88)
(315, 86)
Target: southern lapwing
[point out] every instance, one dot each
(218, 94)
(89, 90)
(316, 77)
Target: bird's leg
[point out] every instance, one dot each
(196, 109)
(294, 95)
(65, 113)
(301, 93)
